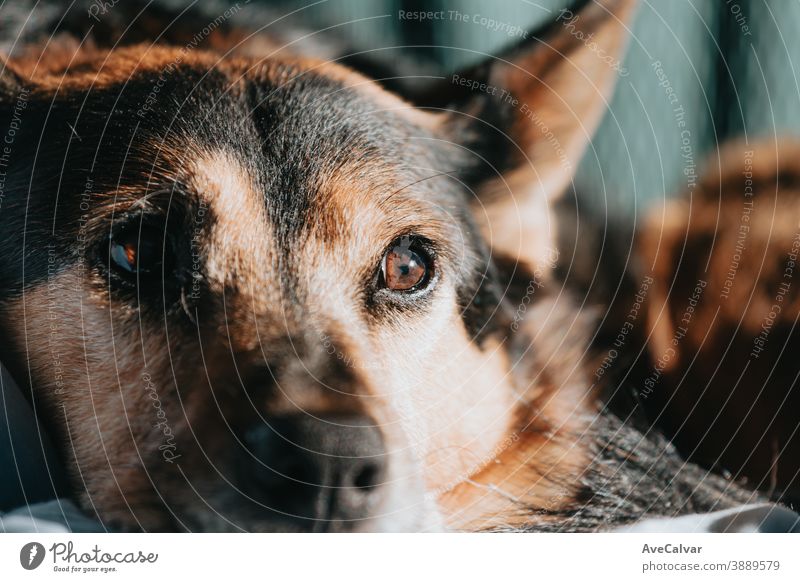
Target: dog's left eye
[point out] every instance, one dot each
(406, 266)
(137, 252)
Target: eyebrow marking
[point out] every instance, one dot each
(241, 243)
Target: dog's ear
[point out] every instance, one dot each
(530, 113)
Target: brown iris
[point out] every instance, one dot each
(124, 256)
(136, 252)
(405, 267)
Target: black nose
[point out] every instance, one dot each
(324, 472)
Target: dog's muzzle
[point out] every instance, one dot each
(318, 473)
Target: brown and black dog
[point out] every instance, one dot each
(723, 314)
(252, 290)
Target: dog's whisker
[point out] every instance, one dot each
(186, 308)
(493, 488)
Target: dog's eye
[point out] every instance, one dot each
(406, 266)
(137, 252)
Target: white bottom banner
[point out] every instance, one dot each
(354, 557)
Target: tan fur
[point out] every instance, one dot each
(99, 406)
(239, 256)
(533, 471)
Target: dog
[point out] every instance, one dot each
(722, 315)
(254, 290)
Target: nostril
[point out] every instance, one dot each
(367, 477)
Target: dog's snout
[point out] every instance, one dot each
(326, 472)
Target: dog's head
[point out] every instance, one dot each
(736, 239)
(268, 293)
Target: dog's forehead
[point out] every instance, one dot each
(312, 139)
(303, 165)
(307, 133)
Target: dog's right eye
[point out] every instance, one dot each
(137, 251)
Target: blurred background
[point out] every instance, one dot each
(732, 64)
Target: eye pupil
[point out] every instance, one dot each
(135, 252)
(404, 268)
